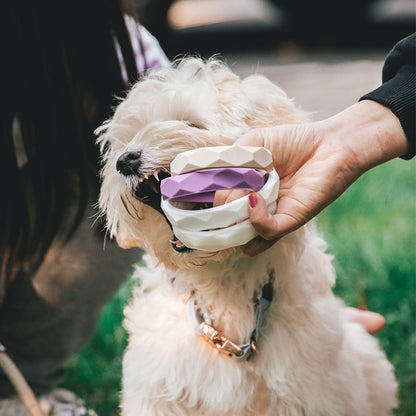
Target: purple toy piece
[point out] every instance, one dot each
(200, 186)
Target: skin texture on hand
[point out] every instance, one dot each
(316, 163)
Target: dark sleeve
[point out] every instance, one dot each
(398, 90)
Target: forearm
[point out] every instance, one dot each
(367, 133)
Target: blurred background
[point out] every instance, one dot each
(325, 54)
(210, 26)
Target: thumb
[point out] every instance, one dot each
(252, 138)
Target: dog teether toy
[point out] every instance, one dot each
(221, 215)
(216, 240)
(200, 186)
(198, 174)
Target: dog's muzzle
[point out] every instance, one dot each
(147, 189)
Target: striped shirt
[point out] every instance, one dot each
(147, 50)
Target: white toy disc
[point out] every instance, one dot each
(222, 157)
(216, 240)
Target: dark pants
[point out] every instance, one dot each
(47, 318)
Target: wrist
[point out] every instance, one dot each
(367, 133)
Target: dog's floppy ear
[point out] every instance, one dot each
(268, 104)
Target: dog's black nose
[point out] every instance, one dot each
(128, 163)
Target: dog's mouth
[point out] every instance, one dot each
(179, 246)
(148, 192)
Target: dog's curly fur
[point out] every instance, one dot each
(310, 361)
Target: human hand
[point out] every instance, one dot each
(317, 162)
(371, 321)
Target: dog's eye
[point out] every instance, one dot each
(195, 125)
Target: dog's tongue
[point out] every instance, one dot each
(178, 243)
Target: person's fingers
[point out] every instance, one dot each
(228, 195)
(252, 138)
(288, 217)
(371, 321)
(261, 219)
(264, 223)
(220, 197)
(270, 226)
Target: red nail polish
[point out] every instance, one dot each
(252, 200)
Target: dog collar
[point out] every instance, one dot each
(202, 325)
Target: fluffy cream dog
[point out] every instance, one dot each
(309, 360)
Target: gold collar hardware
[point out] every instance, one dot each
(187, 297)
(201, 323)
(222, 343)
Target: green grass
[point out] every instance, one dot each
(95, 373)
(371, 230)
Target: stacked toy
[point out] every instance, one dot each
(196, 176)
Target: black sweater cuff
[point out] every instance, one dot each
(398, 91)
(398, 94)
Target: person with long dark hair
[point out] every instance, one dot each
(65, 67)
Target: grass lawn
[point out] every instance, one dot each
(371, 230)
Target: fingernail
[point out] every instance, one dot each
(252, 200)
